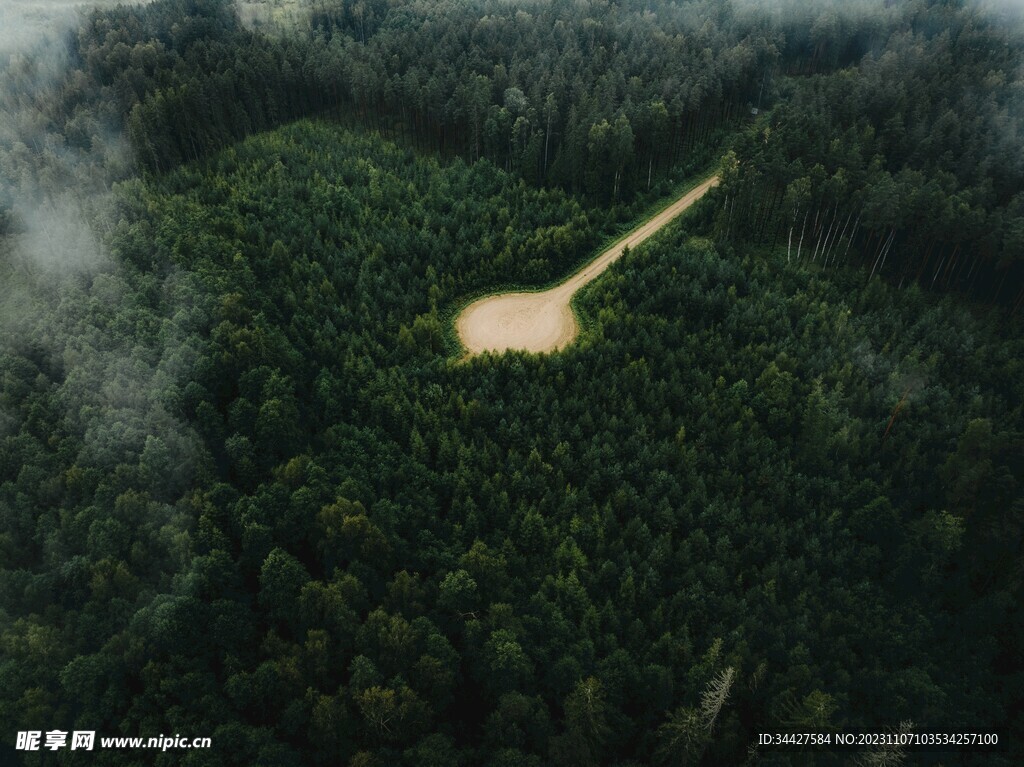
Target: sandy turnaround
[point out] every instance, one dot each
(544, 322)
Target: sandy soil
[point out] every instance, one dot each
(544, 322)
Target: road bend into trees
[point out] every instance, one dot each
(543, 321)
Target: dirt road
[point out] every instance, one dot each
(544, 322)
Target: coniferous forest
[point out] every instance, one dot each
(252, 489)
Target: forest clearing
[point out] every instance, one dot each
(254, 492)
(543, 321)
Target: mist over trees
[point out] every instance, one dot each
(383, 557)
(910, 101)
(247, 491)
(908, 164)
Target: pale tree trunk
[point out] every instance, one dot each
(853, 234)
(882, 253)
(547, 136)
(801, 243)
(839, 236)
(827, 235)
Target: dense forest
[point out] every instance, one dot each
(912, 158)
(250, 489)
(893, 126)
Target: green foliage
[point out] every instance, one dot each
(906, 162)
(611, 553)
(243, 492)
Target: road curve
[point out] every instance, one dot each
(543, 321)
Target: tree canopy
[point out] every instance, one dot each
(250, 489)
